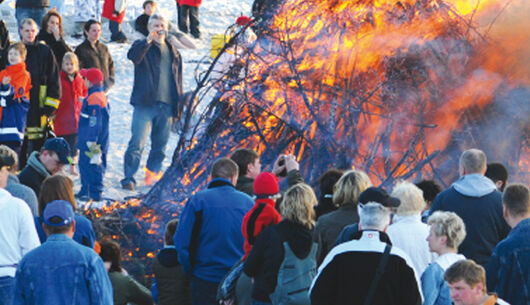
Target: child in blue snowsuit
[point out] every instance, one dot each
(93, 136)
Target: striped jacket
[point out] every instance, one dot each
(14, 103)
(94, 120)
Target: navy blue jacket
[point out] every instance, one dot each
(209, 240)
(146, 58)
(508, 272)
(14, 113)
(476, 200)
(94, 120)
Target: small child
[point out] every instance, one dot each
(263, 213)
(14, 97)
(93, 135)
(67, 115)
(170, 285)
(141, 22)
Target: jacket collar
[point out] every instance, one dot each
(372, 235)
(35, 163)
(58, 237)
(218, 182)
(11, 69)
(95, 89)
(521, 226)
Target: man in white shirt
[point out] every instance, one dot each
(17, 232)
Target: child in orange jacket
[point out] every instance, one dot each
(14, 97)
(263, 213)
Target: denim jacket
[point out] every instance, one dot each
(434, 288)
(62, 272)
(508, 272)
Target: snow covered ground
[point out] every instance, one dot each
(215, 17)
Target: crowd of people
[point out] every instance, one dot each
(246, 240)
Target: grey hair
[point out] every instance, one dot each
(28, 21)
(411, 197)
(450, 225)
(473, 161)
(156, 17)
(373, 216)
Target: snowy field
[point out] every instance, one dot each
(215, 17)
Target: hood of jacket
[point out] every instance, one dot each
(12, 179)
(474, 185)
(35, 163)
(168, 257)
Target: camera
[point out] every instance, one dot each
(162, 32)
(283, 173)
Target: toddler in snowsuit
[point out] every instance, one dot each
(14, 97)
(93, 136)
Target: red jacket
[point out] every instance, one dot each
(196, 3)
(262, 215)
(111, 6)
(67, 115)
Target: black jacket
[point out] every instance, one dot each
(146, 58)
(347, 272)
(265, 258)
(4, 44)
(34, 173)
(96, 58)
(141, 24)
(44, 71)
(59, 47)
(172, 284)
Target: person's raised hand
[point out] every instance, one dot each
(291, 163)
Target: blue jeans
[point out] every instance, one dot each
(156, 118)
(35, 13)
(7, 284)
(203, 292)
(115, 31)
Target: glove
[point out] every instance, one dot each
(94, 152)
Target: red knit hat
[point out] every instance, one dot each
(266, 184)
(94, 75)
(243, 20)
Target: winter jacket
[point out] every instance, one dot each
(94, 120)
(476, 200)
(325, 205)
(508, 272)
(433, 285)
(97, 58)
(114, 10)
(34, 173)
(266, 257)
(4, 44)
(14, 102)
(140, 24)
(67, 115)
(348, 270)
(172, 284)
(33, 3)
(84, 231)
(126, 290)
(329, 227)
(23, 192)
(45, 91)
(59, 47)
(146, 58)
(262, 215)
(195, 3)
(208, 238)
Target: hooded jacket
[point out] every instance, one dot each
(262, 215)
(172, 284)
(476, 200)
(34, 173)
(67, 115)
(14, 102)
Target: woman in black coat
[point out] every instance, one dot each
(52, 34)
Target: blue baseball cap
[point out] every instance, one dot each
(58, 213)
(61, 148)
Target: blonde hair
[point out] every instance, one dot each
(349, 187)
(411, 197)
(450, 225)
(298, 205)
(73, 58)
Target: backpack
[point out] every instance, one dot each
(294, 278)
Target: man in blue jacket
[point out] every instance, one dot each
(61, 271)
(509, 266)
(476, 200)
(155, 97)
(208, 239)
